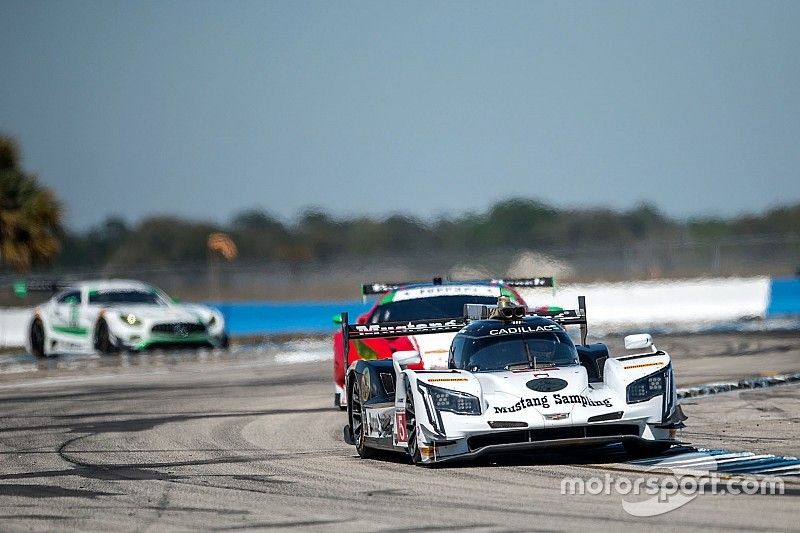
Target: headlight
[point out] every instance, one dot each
(648, 387)
(452, 401)
(130, 319)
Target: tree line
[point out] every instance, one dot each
(31, 231)
(317, 236)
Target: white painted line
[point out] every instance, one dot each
(790, 469)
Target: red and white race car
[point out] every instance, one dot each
(399, 302)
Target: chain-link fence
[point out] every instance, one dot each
(219, 280)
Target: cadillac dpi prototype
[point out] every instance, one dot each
(399, 302)
(112, 315)
(514, 381)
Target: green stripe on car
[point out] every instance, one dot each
(388, 298)
(71, 330)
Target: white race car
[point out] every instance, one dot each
(515, 381)
(108, 316)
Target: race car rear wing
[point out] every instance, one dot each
(565, 317)
(369, 289)
(396, 329)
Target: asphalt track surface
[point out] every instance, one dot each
(249, 440)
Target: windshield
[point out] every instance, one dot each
(421, 308)
(125, 296)
(506, 352)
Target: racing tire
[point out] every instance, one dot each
(411, 428)
(37, 338)
(356, 415)
(640, 449)
(224, 342)
(337, 401)
(102, 339)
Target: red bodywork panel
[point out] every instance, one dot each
(373, 348)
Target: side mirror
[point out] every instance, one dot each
(638, 342)
(337, 318)
(406, 357)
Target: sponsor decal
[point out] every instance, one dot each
(560, 399)
(400, 426)
(658, 363)
(524, 403)
(73, 315)
(557, 399)
(524, 329)
(380, 287)
(546, 384)
(447, 290)
(440, 380)
(533, 282)
(379, 423)
(71, 345)
(411, 327)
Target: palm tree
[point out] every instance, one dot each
(30, 214)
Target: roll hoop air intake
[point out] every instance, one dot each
(507, 310)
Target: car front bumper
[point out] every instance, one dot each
(174, 341)
(434, 453)
(435, 448)
(148, 340)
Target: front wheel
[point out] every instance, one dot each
(337, 401)
(357, 416)
(411, 428)
(102, 338)
(225, 342)
(37, 339)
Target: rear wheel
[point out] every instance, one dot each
(337, 401)
(356, 410)
(37, 338)
(411, 427)
(102, 338)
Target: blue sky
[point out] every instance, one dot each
(202, 109)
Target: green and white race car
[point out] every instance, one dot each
(109, 316)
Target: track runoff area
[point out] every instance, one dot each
(248, 439)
